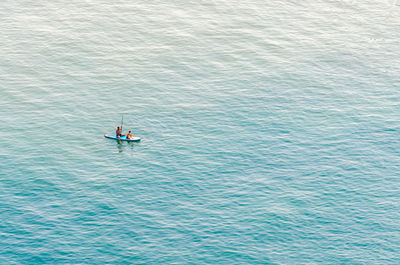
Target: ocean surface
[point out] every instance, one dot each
(270, 132)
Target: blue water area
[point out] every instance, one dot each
(269, 132)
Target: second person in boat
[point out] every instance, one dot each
(129, 135)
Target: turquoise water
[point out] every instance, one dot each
(270, 132)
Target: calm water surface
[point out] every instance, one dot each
(270, 132)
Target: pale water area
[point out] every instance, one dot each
(270, 132)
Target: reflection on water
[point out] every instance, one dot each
(122, 146)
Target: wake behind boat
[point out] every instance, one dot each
(122, 138)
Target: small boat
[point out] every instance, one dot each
(122, 138)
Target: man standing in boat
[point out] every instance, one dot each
(118, 132)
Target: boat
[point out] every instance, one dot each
(122, 138)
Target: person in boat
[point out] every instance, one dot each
(129, 135)
(118, 132)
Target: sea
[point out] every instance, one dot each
(270, 132)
